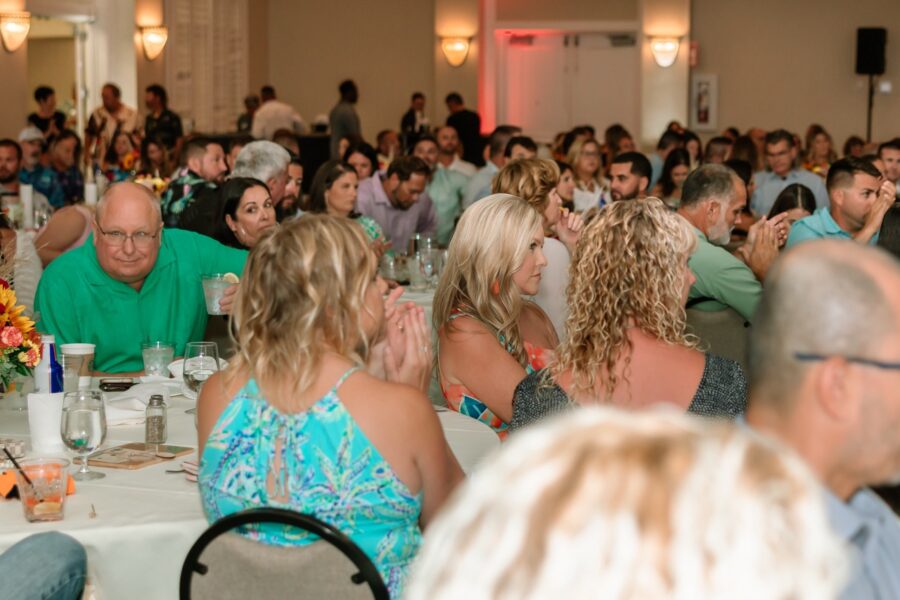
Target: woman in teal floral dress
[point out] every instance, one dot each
(310, 414)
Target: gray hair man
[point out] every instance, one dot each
(712, 199)
(824, 375)
(268, 162)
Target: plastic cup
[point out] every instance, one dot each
(214, 286)
(80, 358)
(157, 356)
(44, 418)
(44, 499)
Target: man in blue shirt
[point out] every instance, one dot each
(781, 154)
(824, 374)
(860, 197)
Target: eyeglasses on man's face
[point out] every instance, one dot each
(868, 362)
(140, 239)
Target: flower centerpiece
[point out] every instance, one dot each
(20, 343)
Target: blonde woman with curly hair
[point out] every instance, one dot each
(608, 504)
(489, 336)
(295, 421)
(626, 342)
(591, 186)
(535, 180)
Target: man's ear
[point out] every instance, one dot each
(645, 183)
(838, 389)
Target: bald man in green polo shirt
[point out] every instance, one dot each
(132, 282)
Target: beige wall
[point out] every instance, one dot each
(566, 10)
(51, 61)
(258, 40)
(789, 64)
(455, 18)
(383, 46)
(664, 91)
(148, 13)
(14, 69)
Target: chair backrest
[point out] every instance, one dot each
(230, 565)
(722, 332)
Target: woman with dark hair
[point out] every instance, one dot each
(120, 160)
(247, 212)
(745, 149)
(333, 191)
(362, 157)
(675, 171)
(566, 186)
(154, 158)
(694, 147)
(854, 146)
(616, 140)
(796, 200)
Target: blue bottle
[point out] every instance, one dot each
(48, 375)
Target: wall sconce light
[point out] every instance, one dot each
(665, 50)
(455, 49)
(14, 29)
(154, 40)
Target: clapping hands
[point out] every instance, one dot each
(403, 353)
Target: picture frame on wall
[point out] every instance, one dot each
(705, 102)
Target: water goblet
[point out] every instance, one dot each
(83, 428)
(201, 360)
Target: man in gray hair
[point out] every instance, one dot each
(266, 161)
(824, 375)
(712, 199)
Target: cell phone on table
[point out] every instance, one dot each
(116, 384)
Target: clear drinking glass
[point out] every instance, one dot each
(83, 428)
(43, 494)
(157, 356)
(201, 360)
(214, 286)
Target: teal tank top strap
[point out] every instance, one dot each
(346, 375)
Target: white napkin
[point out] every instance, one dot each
(129, 407)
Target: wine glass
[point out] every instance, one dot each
(201, 360)
(83, 428)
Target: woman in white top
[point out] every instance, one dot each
(591, 187)
(534, 180)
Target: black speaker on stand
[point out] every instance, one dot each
(870, 43)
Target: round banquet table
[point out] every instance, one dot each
(146, 520)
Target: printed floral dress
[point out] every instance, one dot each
(330, 470)
(460, 399)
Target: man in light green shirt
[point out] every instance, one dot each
(711, 201)
(132, 282)
(445, 188)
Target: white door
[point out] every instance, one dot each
(533, 85)
(548, 83)
(606, 84)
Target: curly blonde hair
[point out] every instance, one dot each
(627, 271)
(302, 295)
(488, 247)
(531, 179)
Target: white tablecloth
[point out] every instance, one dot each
(147, 519)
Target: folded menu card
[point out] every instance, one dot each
(135, 455)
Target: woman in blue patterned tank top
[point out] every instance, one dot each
(298, 422)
